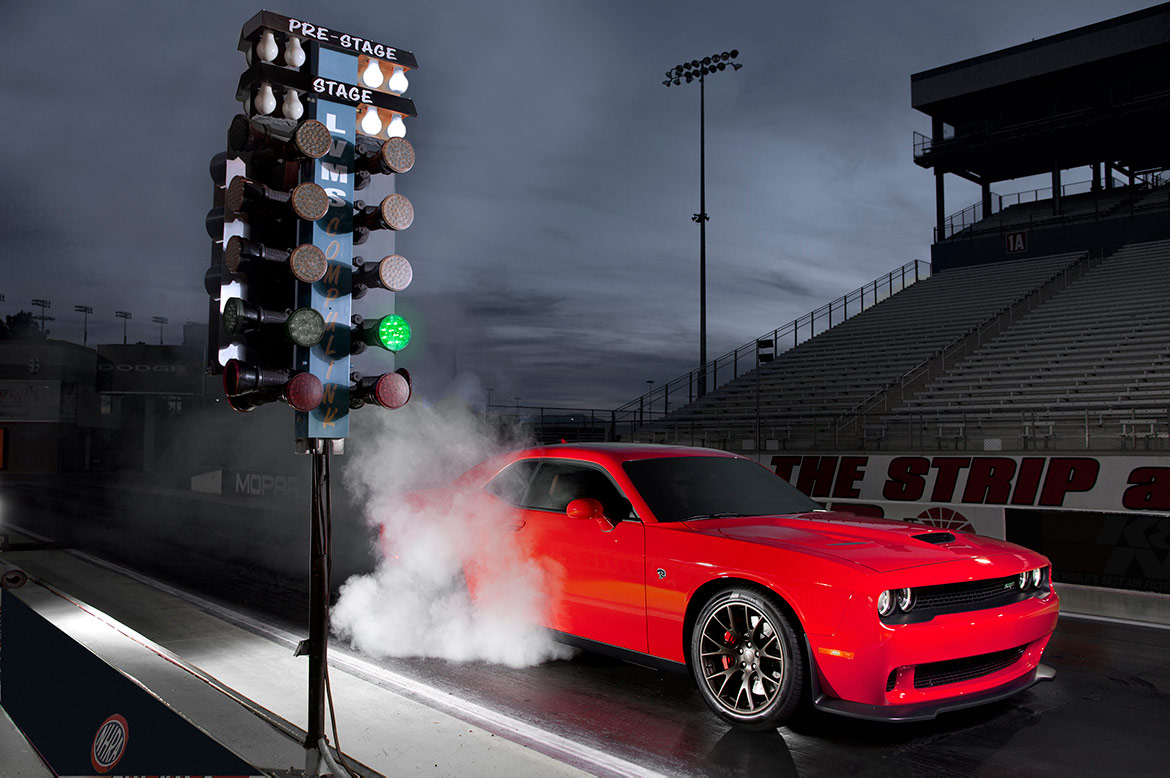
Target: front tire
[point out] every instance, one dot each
(746, 661)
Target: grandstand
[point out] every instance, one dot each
(1044, 320)
(1023, 388)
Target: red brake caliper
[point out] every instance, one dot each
(729, 639)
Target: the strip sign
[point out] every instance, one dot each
(1114, 484)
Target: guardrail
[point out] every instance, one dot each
(1078, 429)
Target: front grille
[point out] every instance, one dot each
(956, 670)
(970, 595)
(931, 601)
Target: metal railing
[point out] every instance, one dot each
(974, 213)
(1077, 429)
(681, 391)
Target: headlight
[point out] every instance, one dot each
(905, 600)
(1024, 579)
(885, 603)
(1037, 576)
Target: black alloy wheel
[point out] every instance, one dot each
(746, 660)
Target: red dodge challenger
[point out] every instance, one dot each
(698, 558)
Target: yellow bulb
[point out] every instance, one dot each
(372, 76)
(397, 127)
(371, 122)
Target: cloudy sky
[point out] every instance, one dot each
(555, 258)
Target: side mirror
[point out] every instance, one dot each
(589, 508)
(585, 508)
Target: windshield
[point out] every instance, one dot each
(680, 488)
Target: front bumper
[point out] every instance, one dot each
(916, 671)
(926, 710)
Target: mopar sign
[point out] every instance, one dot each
(141, 369)
(244, 483)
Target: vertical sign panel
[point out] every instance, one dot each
(329, 360)
(333, 234)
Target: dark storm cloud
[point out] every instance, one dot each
(554, 254)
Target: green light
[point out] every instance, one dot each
(393, 332)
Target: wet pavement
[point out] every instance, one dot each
(1106, 713)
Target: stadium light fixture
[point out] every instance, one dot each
(125, 316)
(688, 72)
(161, 321)
(85, 311)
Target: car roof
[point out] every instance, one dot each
(618, 452)
(605, 454)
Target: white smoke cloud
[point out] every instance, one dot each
(416, 602)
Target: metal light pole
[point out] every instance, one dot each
(688, 72)
(124, 316)
(85, 310)
(161, 321)
(43, 304)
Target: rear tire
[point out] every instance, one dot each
(746, 660)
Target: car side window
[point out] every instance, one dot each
(558, 483)
(511, 483)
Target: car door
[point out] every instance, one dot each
(595, 569)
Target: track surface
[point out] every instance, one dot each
(1106, 712)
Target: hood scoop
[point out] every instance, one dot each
(937, 538)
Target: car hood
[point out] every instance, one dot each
(882, 545)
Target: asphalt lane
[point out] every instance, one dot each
(1106, 713)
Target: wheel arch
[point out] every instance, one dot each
(704, 593)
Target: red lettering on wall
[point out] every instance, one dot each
(816, 475)
(1028, 481)
(1150, 490)
(906, 482)
(989, 482)
(1068, 474)
(784, 466)
(848, 474)
(948, 473)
